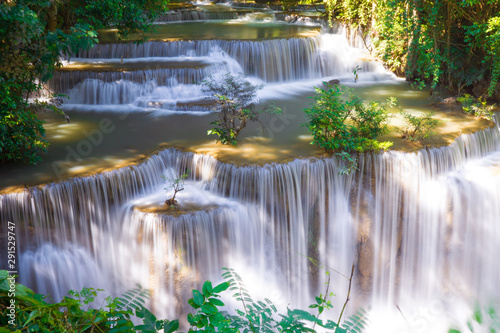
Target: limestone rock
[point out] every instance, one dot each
(333, 82)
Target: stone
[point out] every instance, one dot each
(449, 104)
(451, 100)
(333, 82)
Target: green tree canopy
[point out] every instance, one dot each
(34, 34)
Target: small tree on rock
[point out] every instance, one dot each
(176, 185)
(236, 103)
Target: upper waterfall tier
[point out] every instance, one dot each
(227, 30)
(274, 60)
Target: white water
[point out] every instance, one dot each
(411, 222)
(276, 63)
(422, 229)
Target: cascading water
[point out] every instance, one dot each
(182, 65)
(411, 223)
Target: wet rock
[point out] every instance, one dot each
(451, 100)
(449, 104)
(333, 82)
(203, 102)
(365, 263)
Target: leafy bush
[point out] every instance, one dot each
(74, 314)
(417, 128)
(260, 316)
(31, 313)
(483, 319)
(477, 108)
(339, 121)
(236, 105)
(35, 34)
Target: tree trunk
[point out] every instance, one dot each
(52, 16)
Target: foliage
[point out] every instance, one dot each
(342, 124)
(207, 316)
(417, 128)
(35, 33)
(74, 313)
(355, 72)
(236, 105)
(452, 43)
(22, 136)
(339, 121)
(478, 108)
(484, 319)
(176, 185)
(135, 17)
(263, 316)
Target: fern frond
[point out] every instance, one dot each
(356, 323)
(134, 299)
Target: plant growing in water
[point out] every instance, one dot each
(342, 124)
(355, 72)
(236, 103)
(417, 128)
(176, 185)
(477, 108)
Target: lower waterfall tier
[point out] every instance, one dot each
(419, 227)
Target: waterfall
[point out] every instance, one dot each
(63, 81)
(195, 15)
(276, 60)
(411, 223)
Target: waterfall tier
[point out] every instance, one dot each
(276, 60)
(410, 222)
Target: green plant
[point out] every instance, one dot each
(261, 316)
(417, 128)
(483, 319)
(355, 72)
(236, 106)
(207, 317)
(74, 312)
(176, 185)
(341, 123)
(478, 108)
(35, 33)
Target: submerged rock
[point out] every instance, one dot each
(449, 104)
(333, 82)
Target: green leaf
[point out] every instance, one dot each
(32, 316)
(221, 287)
(171, 326)
(209, 308)
(207, 289)
(193, 304)
(198, 297)
(216, 302)
(191, 320)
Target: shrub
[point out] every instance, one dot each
(31, 313)
(339, 121)
(236, 103)
(74, 314)
(417, 128)
(475, 107)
